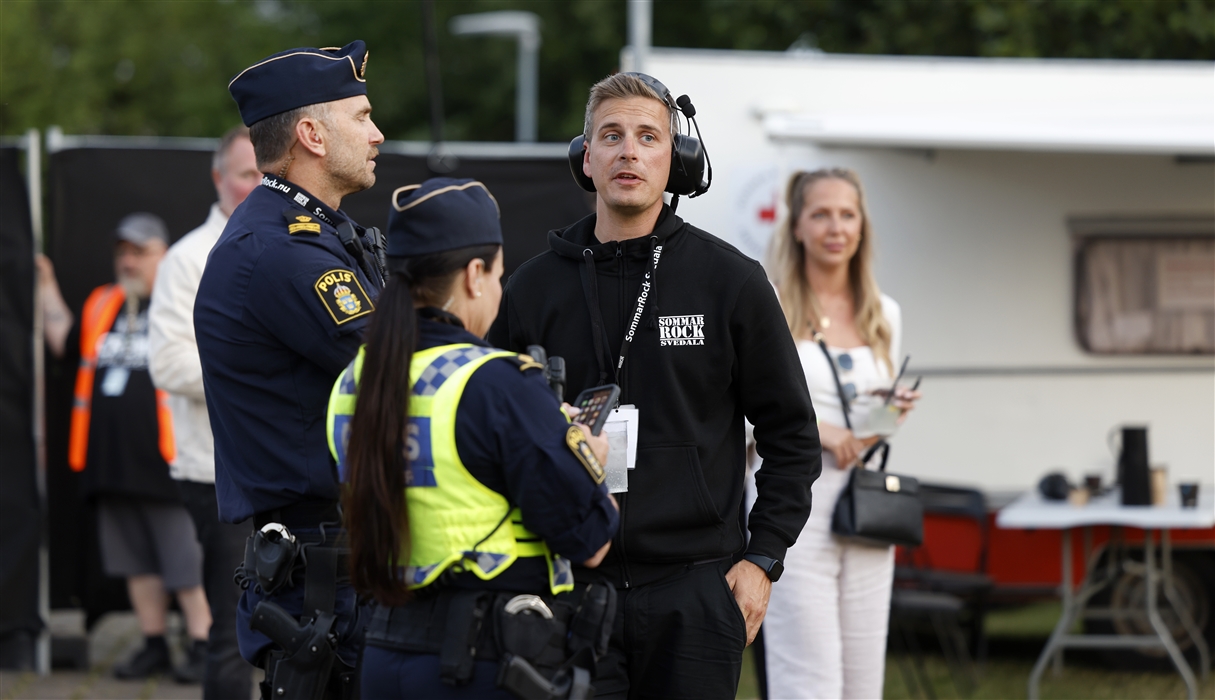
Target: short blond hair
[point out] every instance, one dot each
(622, 86)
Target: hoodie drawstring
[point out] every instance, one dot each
(653, 284)
(590, 288)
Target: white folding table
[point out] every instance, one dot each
(1032, 511)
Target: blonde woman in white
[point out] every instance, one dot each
(825, 632)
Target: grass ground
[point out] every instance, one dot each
(1016, 636)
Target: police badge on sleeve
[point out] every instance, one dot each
(343, 296)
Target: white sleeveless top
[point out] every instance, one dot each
(866, 374)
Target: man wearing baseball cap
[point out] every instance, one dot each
(280, 311)
(121, 438)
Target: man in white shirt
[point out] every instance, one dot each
(176, 369)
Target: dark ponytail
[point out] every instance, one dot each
(376, 515)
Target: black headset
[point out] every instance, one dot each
(689, 161)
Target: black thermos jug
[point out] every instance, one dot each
(1133, 472)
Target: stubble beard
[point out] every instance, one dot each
(350, 174)
(632, 205)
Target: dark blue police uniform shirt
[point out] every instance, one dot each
(510, 435)
(278, 316)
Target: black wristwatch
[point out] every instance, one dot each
(772, 567)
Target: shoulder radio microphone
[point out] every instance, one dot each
(354, 245)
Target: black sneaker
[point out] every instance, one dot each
(149, 660)
(195, 664)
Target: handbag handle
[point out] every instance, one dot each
(839, 388)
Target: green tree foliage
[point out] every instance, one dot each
(153, 67)
(581, 43)
(126, 67)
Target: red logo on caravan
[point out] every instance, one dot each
(768, 214)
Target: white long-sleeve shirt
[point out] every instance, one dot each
(173, 352)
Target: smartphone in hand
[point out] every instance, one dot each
(595, 404)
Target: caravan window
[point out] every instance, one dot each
(1145, 294)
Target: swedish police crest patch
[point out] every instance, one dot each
(343, 296)
(575, 439)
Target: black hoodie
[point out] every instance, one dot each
(711, 348)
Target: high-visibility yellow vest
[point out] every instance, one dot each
(455, 521)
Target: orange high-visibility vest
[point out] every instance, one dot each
(100, 310)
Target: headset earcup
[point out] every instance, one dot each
(687, 166)
(575, 154)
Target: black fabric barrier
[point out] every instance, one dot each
(534, 195)
(91, 189)
(20, 522)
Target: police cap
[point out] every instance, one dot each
(297, 77)
(442, 214)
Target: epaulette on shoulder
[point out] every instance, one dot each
(299, 222)
(524, 362)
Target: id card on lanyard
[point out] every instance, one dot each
(621, 429)
(623, 424)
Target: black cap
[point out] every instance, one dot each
(297, 77)
(140, 228)
(441, 214)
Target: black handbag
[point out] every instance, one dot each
(876, 507)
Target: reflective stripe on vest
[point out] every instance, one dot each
(455, 521)
(96, 320)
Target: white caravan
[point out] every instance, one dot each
(985, 179)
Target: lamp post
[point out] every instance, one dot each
(640, 23)
(524, 26)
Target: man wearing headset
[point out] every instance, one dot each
(697, 353)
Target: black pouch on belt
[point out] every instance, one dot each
(591, 625)
(465, 616)
(540, 660)
(529, 628)
(271, 556)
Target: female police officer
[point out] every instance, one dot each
(466, 485)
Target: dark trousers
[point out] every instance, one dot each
(227, 674)
(388, 673)
(679, 637)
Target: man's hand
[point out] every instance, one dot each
(751, 588)
(56, 316)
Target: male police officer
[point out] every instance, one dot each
(279, 314)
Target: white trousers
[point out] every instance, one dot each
(825, 632)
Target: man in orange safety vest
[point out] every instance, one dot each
(122, 440)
